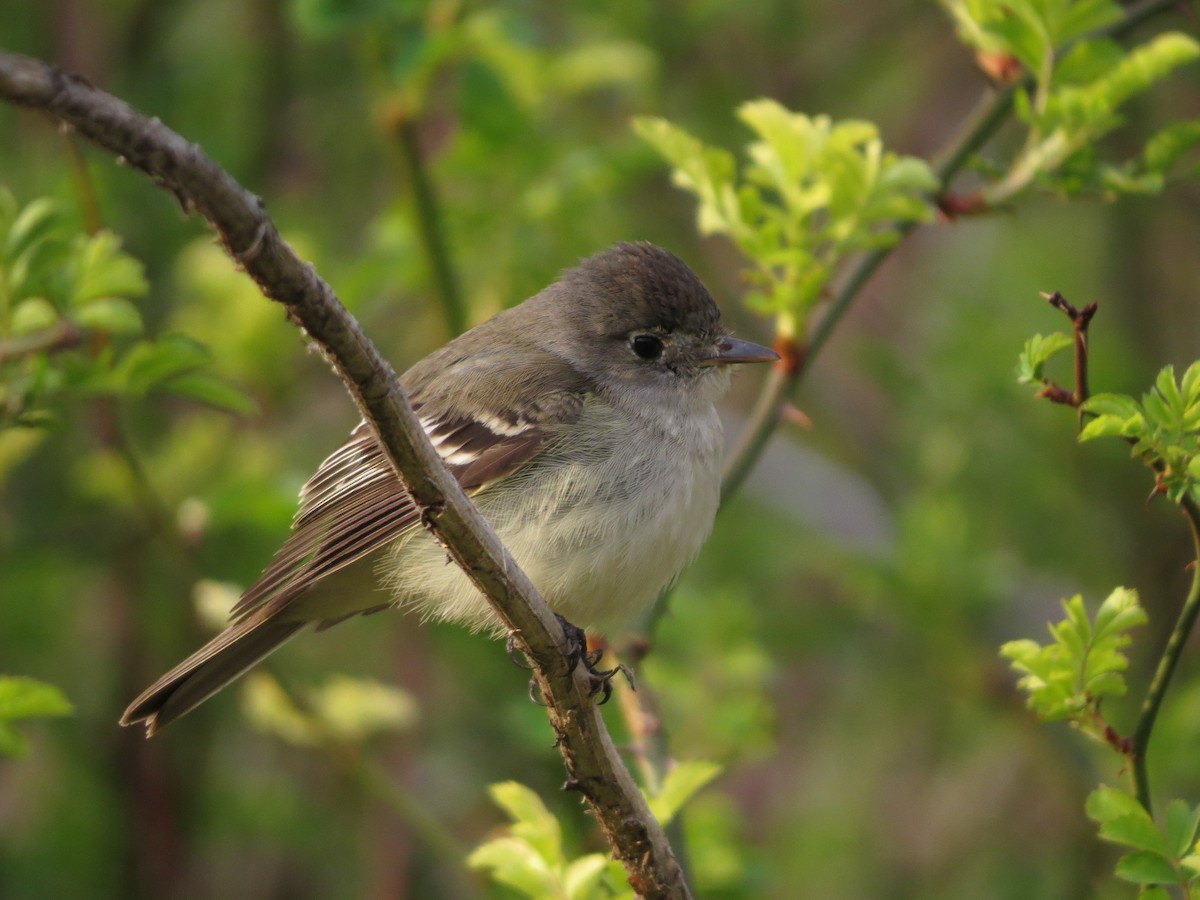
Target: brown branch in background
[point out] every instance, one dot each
(402, 128)
(1080, 320)
(62, 336)
(239, 219)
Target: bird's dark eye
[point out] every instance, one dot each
(646, 346)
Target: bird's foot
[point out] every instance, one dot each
(601, 679)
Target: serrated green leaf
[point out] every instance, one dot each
(102, 269)
(1104, 426)
(584, 877)
(517, 864)
(1168, 390)
(32, 315)
(112, 315)
(1136, 830)
(1107, 803)
(147, 363)
(1119, 612)
(214, 391)
(1191, 865)
(1189, 385)
(1144, 867)
(23, 698)
(680, 784)
(1119, 405)
(1182, 823)
(532, 822)
(34, 223)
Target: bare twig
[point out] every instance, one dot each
(1140, 740)
(1080, 320)
(250, 237)
(429, 223)
(62, 336)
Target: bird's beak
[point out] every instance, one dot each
(734, 350)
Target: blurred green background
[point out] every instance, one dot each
(835, 646)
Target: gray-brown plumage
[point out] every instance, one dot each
(583, 424)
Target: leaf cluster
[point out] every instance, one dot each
(1163, 428)
(530, 857)
(1155, 858)
(68, 323)
(1083, 664)
(341, 709)
(25, 698)
(1078, 80)
(814, 192)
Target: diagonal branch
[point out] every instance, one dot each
(248, 235)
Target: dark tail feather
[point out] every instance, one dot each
(216, 664)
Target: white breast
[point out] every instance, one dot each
(601, 527)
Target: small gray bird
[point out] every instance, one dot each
(582, 423)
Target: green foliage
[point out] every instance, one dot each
(66, 314)
(1164, 428)
(1077, 94)
(25, 698)
(813, 193)
(341, 709)
(530, 859)
(680, 785)
(1068, 678)
(1039, 349)
(1155, 857)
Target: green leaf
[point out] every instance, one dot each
(1182, 824)
(1167, 147)
(101, 269)
(33, 315)
(1144, 867)
(1119, 405)
(113, 315)
(515, 863)
(532, 822)
(680, 784)
(1119, 612)
(1038, 350)
(268, 708)
(1137, 831)
(213, 391)
(354, 709)
(584, 877)
(147, 363)
(25, 698)
(33, 224)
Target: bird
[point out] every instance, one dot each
(583, 424)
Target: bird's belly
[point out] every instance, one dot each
(600, 539)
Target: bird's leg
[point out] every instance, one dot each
(577, 652)
(601, 679)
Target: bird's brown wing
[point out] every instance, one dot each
(355, 504)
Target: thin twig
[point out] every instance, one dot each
(985, 120)
(429, 225)
(240, 221)
(1140, 740)
(63, 335)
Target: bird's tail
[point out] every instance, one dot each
(216, 664)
